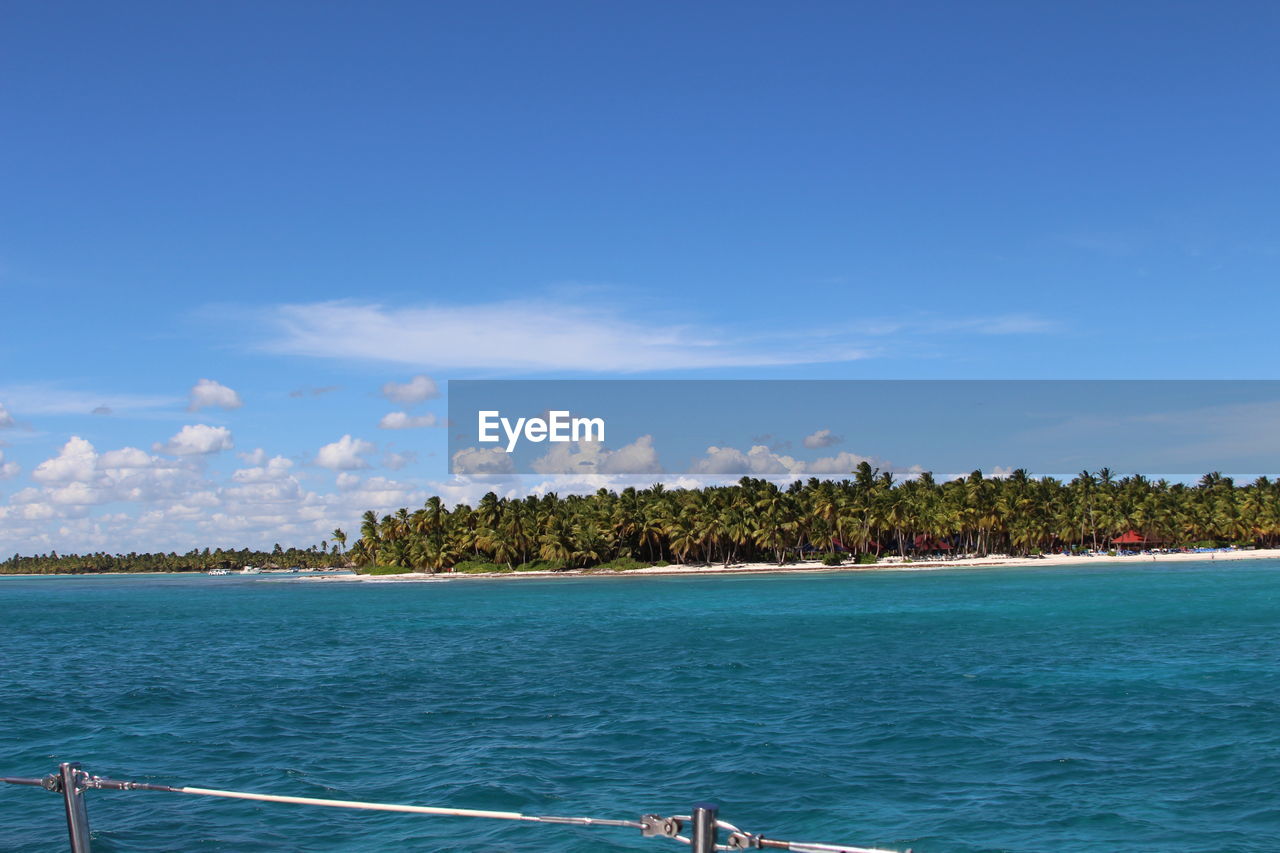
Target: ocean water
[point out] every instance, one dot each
(1132, 708)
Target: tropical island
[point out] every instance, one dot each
(868, 519)
(312, 558)
(862, 520)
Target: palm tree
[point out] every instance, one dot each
(370, 536)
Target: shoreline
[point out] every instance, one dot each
(807, 567)
(814, 567)
(175, 574)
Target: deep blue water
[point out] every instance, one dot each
(1030, 710)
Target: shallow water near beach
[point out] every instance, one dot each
(1013, 709)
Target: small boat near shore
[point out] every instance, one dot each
(218, 572)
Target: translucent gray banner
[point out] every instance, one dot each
(824, 428)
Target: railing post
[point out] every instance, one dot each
(705, 831)
(69, 774)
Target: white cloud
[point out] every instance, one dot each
(842, 464)
(32, 510)
(75, 494)
(345, 454)
(592, 457)
(126, 457)
(177, 509)
(8, 470)
(6, 419)
(284, 490)
(76, 461)
(638, 457)
(578, 457)
(28, 495)
(79, 476)
(821, 438)
(255, 457)
(377, 493)
(197, 439)
(208, 394)
(485, 462)
(130, 474)
(759, 461)
(273, 471)
(403, 420)
(419, 389)
(529, 335)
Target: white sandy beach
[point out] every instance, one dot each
(815, 567)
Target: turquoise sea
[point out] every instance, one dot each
(1130, 708)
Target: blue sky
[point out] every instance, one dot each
(284, 197)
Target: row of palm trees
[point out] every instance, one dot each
(195, 560)
(759, 520)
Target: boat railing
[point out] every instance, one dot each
(701, 829)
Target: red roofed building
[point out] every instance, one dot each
(1133, 537)
(925, 542)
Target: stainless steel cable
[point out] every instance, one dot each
(651, 825)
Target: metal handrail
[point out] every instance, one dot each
(703, 822)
